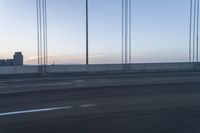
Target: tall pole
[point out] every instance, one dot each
(87, 46)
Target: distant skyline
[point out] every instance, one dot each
(16, 60)
(160, 30)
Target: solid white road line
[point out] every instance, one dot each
(35, 111)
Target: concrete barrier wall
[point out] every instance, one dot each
(143, 67)
(10, 70)
(163, 67)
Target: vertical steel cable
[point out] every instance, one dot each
(38, 32)
(130, 30)
(190, 31)
(46, 31)
(44, 14)
(87, 38)
(194, 31)
(126, 31)
(44, 34)
(197, 45)
(122, 31)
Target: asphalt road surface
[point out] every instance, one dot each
(101, 103)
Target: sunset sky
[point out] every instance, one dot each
(160, 30)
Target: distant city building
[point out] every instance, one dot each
(9, 62)
(16, 61)
(2, 62)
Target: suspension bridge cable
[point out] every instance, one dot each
(122, 31)
(43, 29)
(46, 32)
(197, 45)
(38, 32)
(126, 31)
(130, 30)
(190, 31)
(194, 31)
(87, 41)
(40, 29)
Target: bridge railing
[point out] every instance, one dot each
(61, 69)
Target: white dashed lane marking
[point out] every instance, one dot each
(34, 111)
(87, 105)
(45, 110)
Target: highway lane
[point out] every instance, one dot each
(29, 83)
(154, 108)
(98, 75)
(101, 108)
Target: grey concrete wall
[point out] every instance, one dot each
(143, 67)
(10, 70)
(163, 67)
